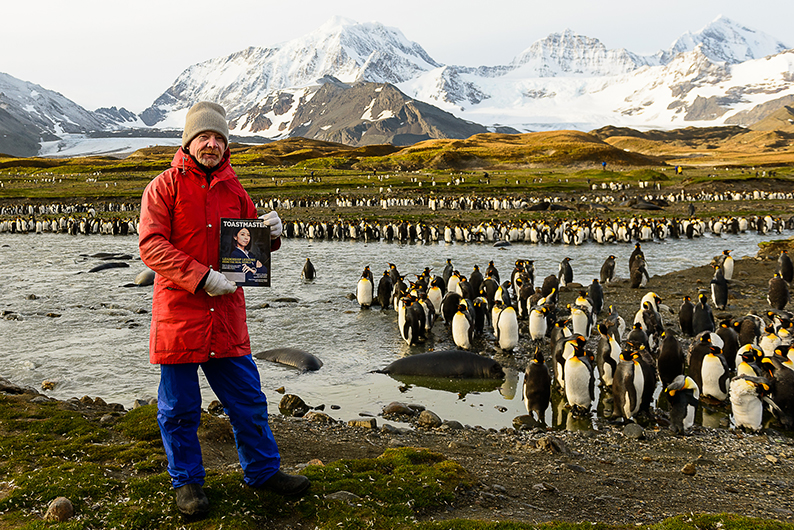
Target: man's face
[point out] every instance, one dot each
(207, 148)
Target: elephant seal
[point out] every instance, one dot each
(144, 278)
(109, 265)
(300, 359)
(449, 363)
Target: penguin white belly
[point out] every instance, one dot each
(581, 323)
(460, 331)
(577, 384)
(639, 387)
(434, 295)
(508, 329)
(364, 292)
(711, 371)
(748, 410)
(537, 325)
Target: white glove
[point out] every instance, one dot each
(272, 220)
(217, 284)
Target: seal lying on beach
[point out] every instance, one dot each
(300, 359)
(449, 363)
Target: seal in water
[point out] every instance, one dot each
(300, 359)
(448, 363)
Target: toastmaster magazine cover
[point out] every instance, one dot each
(245, 251)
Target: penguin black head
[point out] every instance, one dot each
(705, 338)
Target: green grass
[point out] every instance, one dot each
(114, 474)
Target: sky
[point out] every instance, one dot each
(102, 53)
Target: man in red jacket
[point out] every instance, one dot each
(198, 316)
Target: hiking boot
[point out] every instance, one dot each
(287, 485)
(190, 500)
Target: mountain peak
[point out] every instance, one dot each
(723, 40)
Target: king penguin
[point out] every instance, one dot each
(778, 294)
(785, 267)
(670, 363)
(579, 382)
(719, 289)
(385, 289)
(462, 329)
(608, 270)
(537, 386)
(702, 317)
(506, 328)
(683, 395)
(607, 355)
(746, 401)
(685, 314)
(628, 386)
(728, 264)
(308, 272)
(364, 289)
(538, 324)
(715, 375)
(565, 274)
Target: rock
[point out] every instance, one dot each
(525, 422)
(634, 431)
(281, 390)
(391, 429)
(32, 297)
(544, 487)
(107, 418)
(689, 469)
(369, 423)
(318, 417)
(452, 425)
(771, 459)
(86, 400)
(395, 407)
(8, 387)
(53, 315)
(48, 385)
(575, 468)
(139, 403)
(552, 444)
(287, 299)
(215, 407)
(344, 496)
(60, 510)
(429, 419)
(99, 402)
(292, 405)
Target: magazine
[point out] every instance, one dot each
(245, 251)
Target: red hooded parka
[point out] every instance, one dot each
(179, 240)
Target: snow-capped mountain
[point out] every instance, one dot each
(723, 74)
(341, 48)
(725, 41)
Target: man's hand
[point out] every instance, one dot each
(217, 284)
(272, 220)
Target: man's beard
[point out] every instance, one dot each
(209, 161)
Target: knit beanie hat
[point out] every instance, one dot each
(205, 116)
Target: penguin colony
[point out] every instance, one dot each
(546, 231)
(744, 364)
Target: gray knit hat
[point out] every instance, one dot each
(205, 116)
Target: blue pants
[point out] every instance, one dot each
(235, 381)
